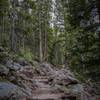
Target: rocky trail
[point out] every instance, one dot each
(22, 80)
(45, 91)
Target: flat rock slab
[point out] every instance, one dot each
(47, 96)
(9, 90)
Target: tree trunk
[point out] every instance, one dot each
(2, 30)
(40, 34)
(13, 37)
(13, 32)
(41, 52)
(45, 47)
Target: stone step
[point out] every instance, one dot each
(43, 84)
(41, 80)
(40, 77)
(45, 91)
(47, 96)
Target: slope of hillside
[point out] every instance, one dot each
(21, 80)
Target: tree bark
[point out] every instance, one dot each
(40, 33)
(40, 37)
(13, 32)
(13, 37)
(45, 47)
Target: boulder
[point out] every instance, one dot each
(1, 49)
(47, 69)
(16, 66)
(9, 91)
(8, 62)
(64, 78)
(65, 81)
(12, 65)
(16, 74)
(22, 62)
(3, 70)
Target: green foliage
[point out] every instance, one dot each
(26, 53)
(82, 37)
(3, 79)
(3, 55)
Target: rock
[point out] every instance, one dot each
(3, 70)
(46, 69)
(8, 62)
(3, 55)
(19, 75)
(9, 91)
(62, 78)
(76, 89)
(22, 62)
(16, 66)
(12, 78)
(12, 65)
(67, 72)
(1, 49)
(80, 93)
(88, 88)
